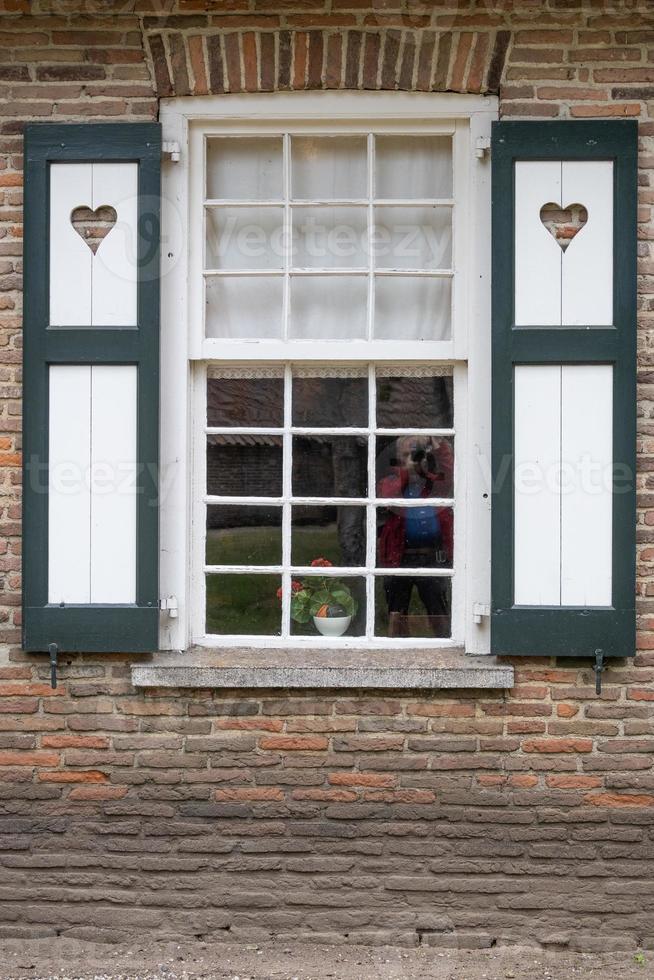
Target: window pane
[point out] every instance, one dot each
(415, 537)
(328, 168)
(330, 401)
(328, 307)
(413, 466)
(244, 306)
(330, 238)
(244, 168)
(243, 604)
(255, 402)
(330, 466)
(245, 238)
(423, 403)
(335, 533)
(413, 167)
(413, 238)
(242, 535)
(244, 466)
(339, 604)
(413, 605)
(413, 308)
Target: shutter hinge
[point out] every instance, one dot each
(169, 605)
(170, 148)
(482, 147)
(479, 610)
(52, 650)
(598, 668)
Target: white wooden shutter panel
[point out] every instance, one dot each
(564, 388)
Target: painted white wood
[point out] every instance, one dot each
(537, 254)
(115, 262)
(587, 263)
(537, 520)
(70, 257)
(113, 483)
(69, 501)
(586, 499)
(87, 289)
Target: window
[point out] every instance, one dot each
(329, 259)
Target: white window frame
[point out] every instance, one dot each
(186, 122)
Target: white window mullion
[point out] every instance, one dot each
(371, 229)
(286, 245)
(287, 490)
(371, 510)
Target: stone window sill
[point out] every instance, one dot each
(425, 669)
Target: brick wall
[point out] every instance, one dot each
(464, 819)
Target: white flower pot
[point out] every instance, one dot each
(332, 625)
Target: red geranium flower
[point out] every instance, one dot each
(296, 587)
(280, 593)
(321, 563)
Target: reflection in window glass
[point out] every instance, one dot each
(330, 466)
(337, 534)
(421, 403)
(242, 535)
(254, 402)
(243, 604)
(415, 466)
(333, 402)
(244, 466)
(415, 537)
(413, 606)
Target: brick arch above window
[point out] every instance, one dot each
(295, 60)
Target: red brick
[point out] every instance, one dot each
(620, 799)
(573, 782)
(556, 745)
(75, 741)
(98, 792)
(294, 743)
(29, 758)
(378, 779)
(70, 776)
(259, 794)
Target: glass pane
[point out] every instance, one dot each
(255, 402)
(243, 604)
(328, 606)
(330, 238)
(413, 308)
(415, 466)
(244, 306)
(245, 168)
(330, 466)
(415, 537)
(241, 535)
(330, 401)
(245, 238)
(328, 168)
(423, 403)
(413, 605)
(335, 533)
(244, 466)
(413, 167)
(329, 307)
(413, 238)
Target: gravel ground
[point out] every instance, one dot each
(70, 959)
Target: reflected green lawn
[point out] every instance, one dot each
(248, 604)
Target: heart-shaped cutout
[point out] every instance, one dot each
(563, 223)
(93, 226)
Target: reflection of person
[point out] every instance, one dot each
(418, 536)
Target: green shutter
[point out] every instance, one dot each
(528, 615)
(92, 350)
